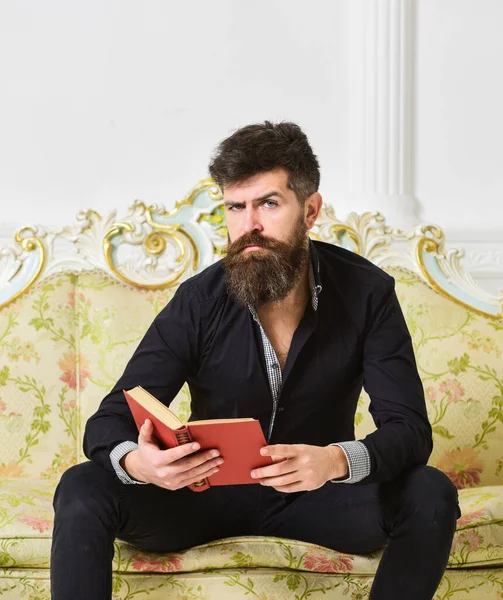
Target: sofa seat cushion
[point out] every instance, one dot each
(251, 584)
(26, 521)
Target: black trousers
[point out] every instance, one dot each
(414, 517)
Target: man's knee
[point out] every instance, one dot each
(80, 489)
(433, 493)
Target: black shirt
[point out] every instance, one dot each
(356, 337)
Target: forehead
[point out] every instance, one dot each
(259, 184)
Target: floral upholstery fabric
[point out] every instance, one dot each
(65, 343)
(259, 584)
(26, 526)
(460, 359)
(111, 320)
(26, 521)
(37, 382)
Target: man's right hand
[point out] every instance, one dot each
(172, 469)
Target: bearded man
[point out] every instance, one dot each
(286, 330)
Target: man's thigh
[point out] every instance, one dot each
(163, 521)
(150, 517)
(344, 517)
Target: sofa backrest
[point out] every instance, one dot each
(65, 343)
(66, 340)
(38, 385)
(459, 354)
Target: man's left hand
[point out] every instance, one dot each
(301, 467)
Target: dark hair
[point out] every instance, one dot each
(263, 147)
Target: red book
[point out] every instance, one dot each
(238, 440)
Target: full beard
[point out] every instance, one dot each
(267, 275)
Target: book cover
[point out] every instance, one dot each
(238, 440)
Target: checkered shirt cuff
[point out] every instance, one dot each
(358, 460)
(115, 456)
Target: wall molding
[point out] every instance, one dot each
(488, 260)
(381, 53)
(483, 249)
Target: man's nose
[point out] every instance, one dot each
(252, 221)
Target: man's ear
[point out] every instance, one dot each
(312, 209)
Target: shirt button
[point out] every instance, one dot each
(281, 409)
(275, 365)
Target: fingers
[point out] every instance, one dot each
(197, 463)
(281, 479)
(146, 436)
(178, 452)
(198, 473)
(278, 468)
(276, 459)
(282, 450)
(146, 433)
(188, 469)
(293, 487)
(199, 458)
(180, 466)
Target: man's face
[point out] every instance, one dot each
(268, 244)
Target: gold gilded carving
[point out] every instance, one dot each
(155, 244)
(433, 242)
(161, 246)
(205, 184)
(28, 244)
(217, 228)
(338, 229)
(366, 232)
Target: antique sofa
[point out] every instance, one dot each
(74, 303)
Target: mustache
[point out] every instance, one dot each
(253, 238)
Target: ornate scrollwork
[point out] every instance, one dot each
(214, 224)
(366, 234)
(149, 248)
(421, 249)
(165, 252)
(155, 244)
(21, 265)
(152, 248)
(442, 269)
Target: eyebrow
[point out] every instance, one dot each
(259, 199)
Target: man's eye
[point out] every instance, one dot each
(271, 202)
(234, 206)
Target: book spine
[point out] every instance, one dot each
(183, 437)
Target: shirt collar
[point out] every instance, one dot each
(314, 279)
(314, 274)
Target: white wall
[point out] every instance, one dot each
(105, 102)
(459, 128)
(459, 110)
